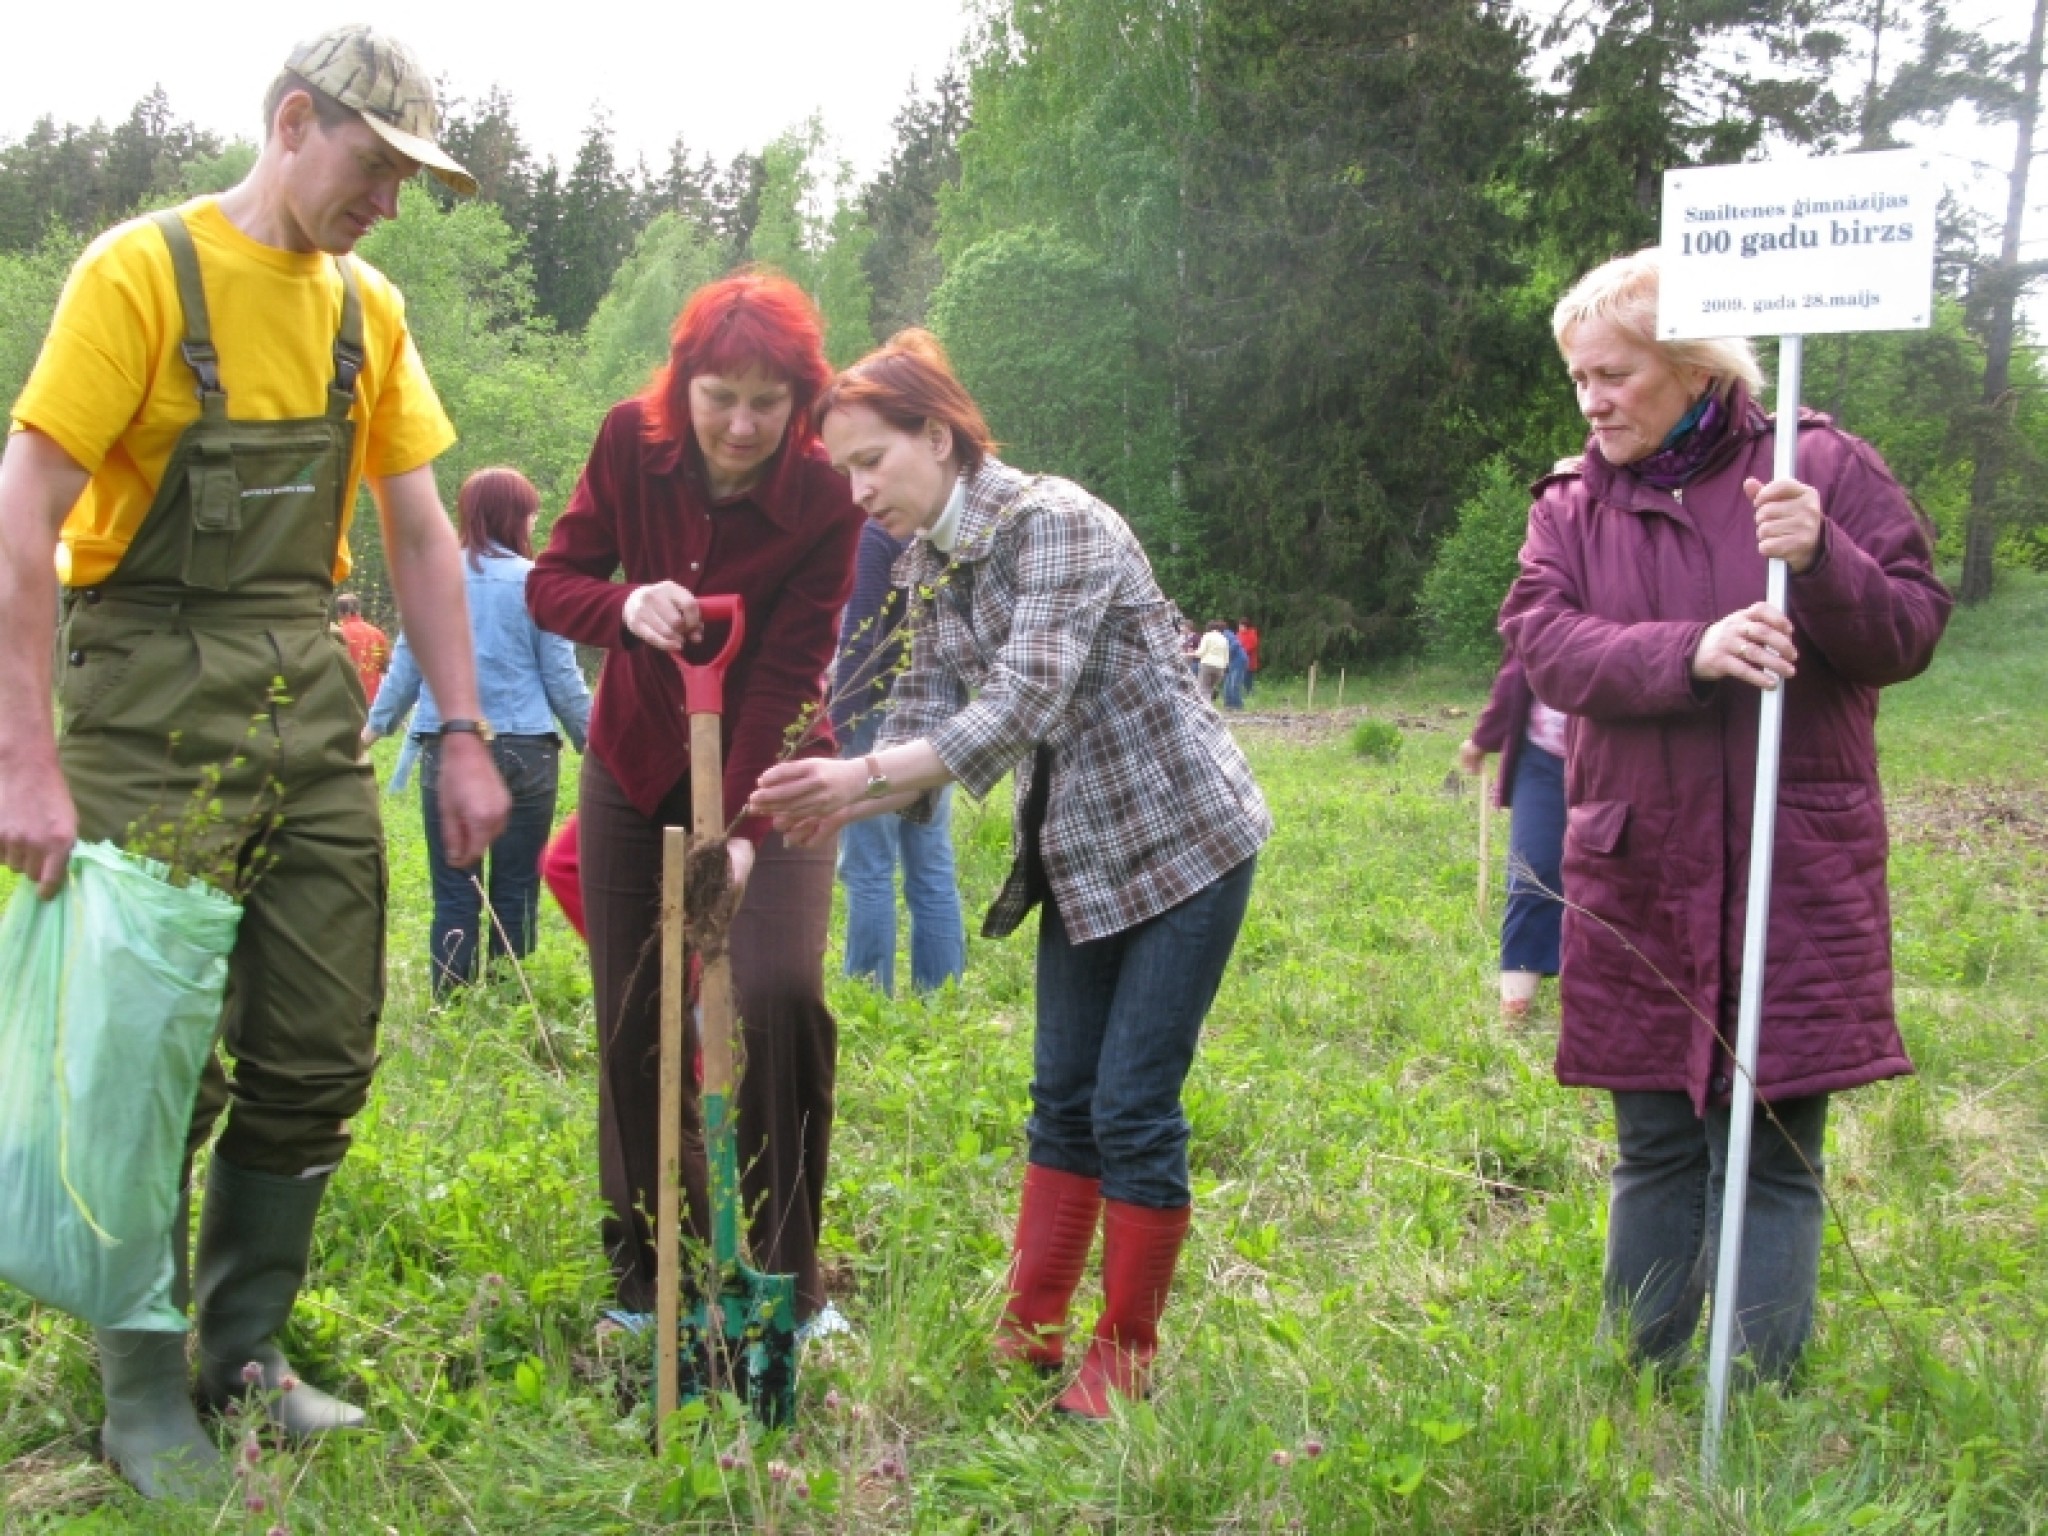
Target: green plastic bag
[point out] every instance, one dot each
(110, 994)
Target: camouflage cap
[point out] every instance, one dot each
(380, 79)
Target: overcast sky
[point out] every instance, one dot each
(727, 77)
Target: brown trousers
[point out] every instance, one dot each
(790, 1042)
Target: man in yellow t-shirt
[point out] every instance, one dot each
(216, 383)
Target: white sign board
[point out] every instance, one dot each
(1799, 247)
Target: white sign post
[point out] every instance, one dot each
(1795, 248)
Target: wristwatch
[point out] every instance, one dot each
(479, 728)
(878, 781)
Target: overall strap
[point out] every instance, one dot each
(198, 344)
(348, 343)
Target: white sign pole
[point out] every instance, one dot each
(1763, 835)
(1795, 248)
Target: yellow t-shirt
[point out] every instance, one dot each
(113, 390)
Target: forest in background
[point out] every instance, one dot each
(1271, 276)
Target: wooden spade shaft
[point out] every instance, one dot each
(667, 1202)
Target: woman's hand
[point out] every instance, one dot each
(1753, 645)
(739, 853)
(810, 799)
(1788, 522)
(1471, 757)
(664, 615)
(809, 789)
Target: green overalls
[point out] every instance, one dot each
(208, 649)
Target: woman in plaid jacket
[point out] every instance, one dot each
(1041, 643)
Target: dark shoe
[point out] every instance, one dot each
(1140, 1249)
(152, 1433)
(255, 1235)
(1055, 1229)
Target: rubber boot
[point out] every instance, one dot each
(153, 1434)
(1518, 993)
(1140, 1247)
(1055, 1229)
(255, 1235)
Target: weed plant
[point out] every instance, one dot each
(1386, 1316)
(1376, 740)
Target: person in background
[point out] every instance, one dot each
(1212, 659)
(1249, 639)
(561, 871)
(1190, 648)
(530, 683)
(1529, 736)
(200, 662)
(870, 656)
(1233, 670)
(1639, 612)
(368, 647)
(709, 481)
(1047, 648)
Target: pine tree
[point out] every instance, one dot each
(596, 227)
(487, 142)
(901, 205)
(1352, 225)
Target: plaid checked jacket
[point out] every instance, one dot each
(1045, 627)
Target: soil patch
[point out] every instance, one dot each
(1309, 728)
(1968, 818)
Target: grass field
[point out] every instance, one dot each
(1386, 1316)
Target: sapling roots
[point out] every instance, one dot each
(709, 897)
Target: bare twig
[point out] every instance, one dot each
(539, 1025)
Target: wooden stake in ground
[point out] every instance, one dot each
(1311, 686)
(1342, 673)
(667, 1201)
(1485, 840)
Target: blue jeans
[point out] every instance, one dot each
(531, 767)
(1530, 926)
(1664, 1226)
(1236, 679)
(869, 852)
(1118, 1022)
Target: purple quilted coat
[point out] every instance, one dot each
(1619, 581)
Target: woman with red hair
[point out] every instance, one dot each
(709, 482)
(1047, 648)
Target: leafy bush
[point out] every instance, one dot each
(29, 284)
(1376, 740)
(1475, 566)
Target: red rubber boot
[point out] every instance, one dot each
(1140, 1248)
(1055, 1230)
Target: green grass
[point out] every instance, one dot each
(1397, 1242)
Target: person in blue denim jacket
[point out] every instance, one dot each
(529, 681)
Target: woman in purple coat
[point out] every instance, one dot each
(1638, 613)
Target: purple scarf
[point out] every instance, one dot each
(1687, 448)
